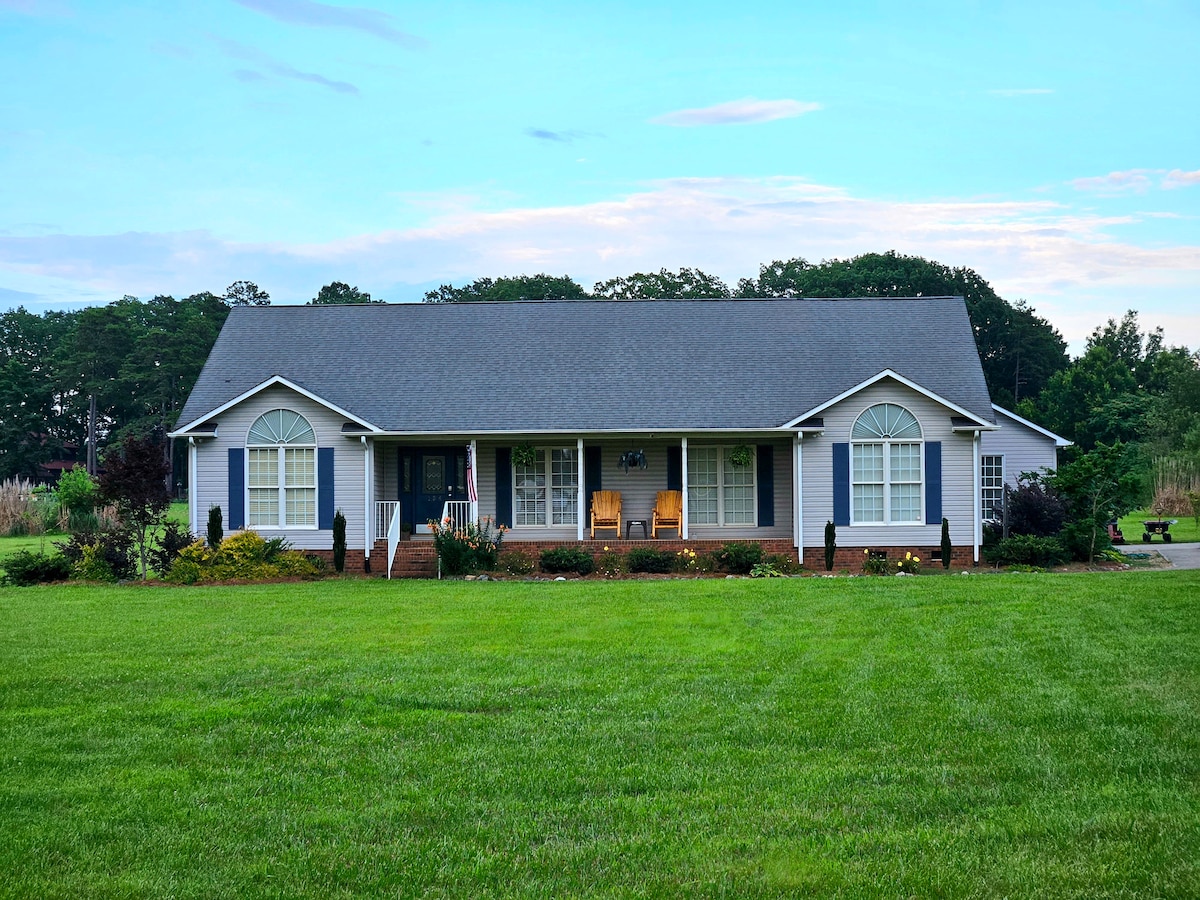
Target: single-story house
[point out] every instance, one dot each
(771, 417)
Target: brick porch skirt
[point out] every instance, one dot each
(417, 559)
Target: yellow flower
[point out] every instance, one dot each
(916, 559)
(865, 552)
(606, 549)
(908, 556)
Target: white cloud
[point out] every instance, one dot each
(747, 111)
(1177, 178)
(1066, 263)
(1137, 180)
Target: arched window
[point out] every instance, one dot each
(281, 462)
(885, 467)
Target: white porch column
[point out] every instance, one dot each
(473, 451)
(683, 465)
(798, 491)
(580, 499)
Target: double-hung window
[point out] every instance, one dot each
(992, 486)
(719, 492)
(281, 463)
(546, 491)
(885, 466)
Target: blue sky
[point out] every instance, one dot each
(151, 148)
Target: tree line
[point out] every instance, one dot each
(138, 360)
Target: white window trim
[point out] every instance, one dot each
(722, 449)
(547, 449)
(281, 480)
(1003, 474)
(887, 443)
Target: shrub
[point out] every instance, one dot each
(92, 565)
(830, 545)
(76, 491)
(875, 562)
(910, 565)
(517, 562)
(765, 570)
(739, 558)
(244, 555)
(647, 559)
(785, 564)
(610, 564)
(166, 548)
(471, 548)
(947, 548)
(16, 506)
(216, 527)
(686, 560)
(339, 542)
(25, 567)
(113, 545)
(1027, 550)
(1033, 508)
(567, 559)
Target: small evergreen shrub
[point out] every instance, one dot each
(216, 527)
(25, 567)
(738, 558)
(830, 545)
(647, 559)
(93, 566)
(947, 548)
(1027, 550)
(339, 542)
(243, 556)
(567, 559)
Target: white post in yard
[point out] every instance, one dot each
(683, 513)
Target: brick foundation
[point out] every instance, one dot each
(851, 558)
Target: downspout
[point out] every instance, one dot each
(798, 492)
(193, 515)
(683, 466)
(977, 496)
(473, 449)
(368, 491)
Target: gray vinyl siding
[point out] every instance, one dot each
(212, 461)
(638, 487)
(959, 493)
(1023, 449)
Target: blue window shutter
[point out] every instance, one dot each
(766, 485)
(933, 482)
(325, 487)
(237, 488)
(593, 469)
(504, 486)
(674, 468)
(841, 484)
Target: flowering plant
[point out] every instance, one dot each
(875, 562)
(910, 565)
(468, 548)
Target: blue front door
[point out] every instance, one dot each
(429, 476)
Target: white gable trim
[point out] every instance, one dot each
(1059, 440)
(888, 373)
(271, 382)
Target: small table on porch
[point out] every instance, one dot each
(629, 527)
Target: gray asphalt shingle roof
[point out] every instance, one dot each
(593, 365)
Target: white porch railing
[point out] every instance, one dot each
(458, 512)
(393, 537)
(384, 509)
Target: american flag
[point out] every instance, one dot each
(472, 492)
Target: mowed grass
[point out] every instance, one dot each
(990, 735)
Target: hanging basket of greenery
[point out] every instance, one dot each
(741, 456)
(632, 459)
(524, 456)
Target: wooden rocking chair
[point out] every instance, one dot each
(606, 511)
(668, 513)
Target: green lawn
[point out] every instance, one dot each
(983, 735)
(1184, 529)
